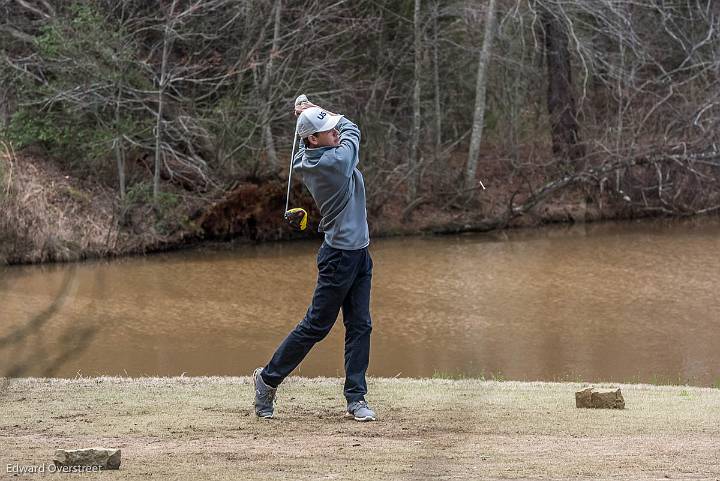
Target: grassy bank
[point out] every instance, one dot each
(47, 214)
(204, 428)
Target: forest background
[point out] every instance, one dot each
(129, 126)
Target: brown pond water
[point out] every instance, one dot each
(622, 302)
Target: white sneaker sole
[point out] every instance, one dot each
(359, 419)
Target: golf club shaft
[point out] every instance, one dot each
(298, 101)
(292, 157)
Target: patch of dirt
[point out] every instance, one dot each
(427, 429)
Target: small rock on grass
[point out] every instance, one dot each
(103, 457)
(599, 399)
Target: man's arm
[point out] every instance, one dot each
(300, 148)
(347, 154)
(299, 152)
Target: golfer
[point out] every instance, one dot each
(327, 159)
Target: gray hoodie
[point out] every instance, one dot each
(332, 177)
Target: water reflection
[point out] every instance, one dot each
(618, 301)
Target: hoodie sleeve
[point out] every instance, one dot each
(347, 154)
(299, 152)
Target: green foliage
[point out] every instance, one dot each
(70, 136)
(50, 41)
(141, 194)
(98, 140)
(53, 130)
(166, 202)
(230, 125)
(86, 60)
(164, 210)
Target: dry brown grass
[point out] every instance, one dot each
(204, 428)
(46, 215)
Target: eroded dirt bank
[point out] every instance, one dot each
(48, 215)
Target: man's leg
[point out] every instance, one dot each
(358, 325)
(335, 277)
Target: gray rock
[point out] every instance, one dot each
(583, 399)
(103, 457)
(600, 399)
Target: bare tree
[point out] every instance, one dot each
(168, 38)
(561, 105)
(436, 79)
(414, 160)
(480, 88)
(266, 94)
(118, 148)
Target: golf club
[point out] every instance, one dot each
(297, 217)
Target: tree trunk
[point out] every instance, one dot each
(561, 104)
(266, 94)
(480, 89)
(119, 151)
(7, 105)
(167, 40)
(413, 164)
(436, 82)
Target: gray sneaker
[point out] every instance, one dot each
(360, 411)
(264, 396)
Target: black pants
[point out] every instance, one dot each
(343, 282)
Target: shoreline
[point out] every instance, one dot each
(438, 230)
(51, 217)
